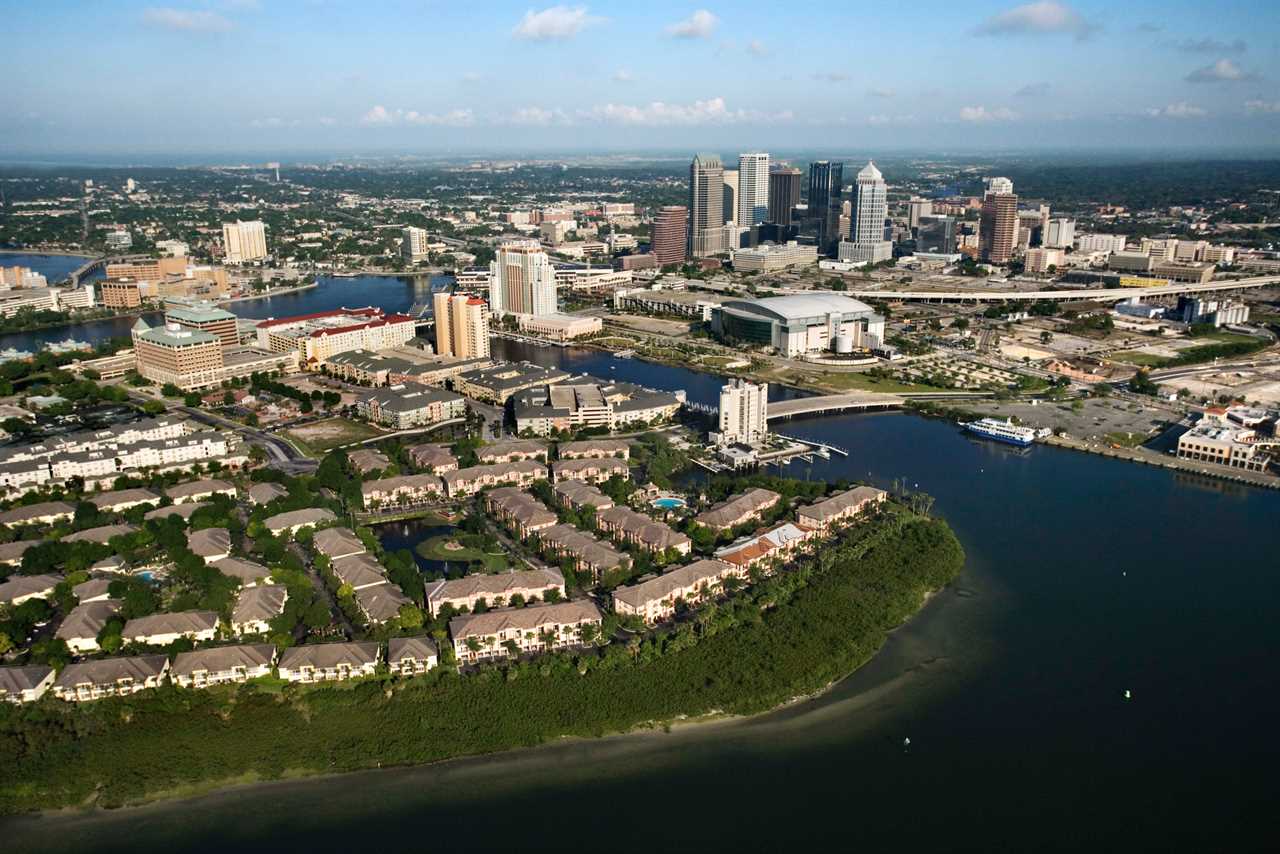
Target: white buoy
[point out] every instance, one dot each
(1128, 695)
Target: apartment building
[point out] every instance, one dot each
(587, 402)
(164, 629)
(628, 526)
(211, 544)
(256, 607)
(225, 665)
(381, 603)
(510, 451)
(110, 677)
(411, 656)
(335, 543)
(294, 520)
(471, 480)
(433, 458)
(22, 588)
(319, 336)
(523, 631)
(655, 599)
(500, 382)
(43, 513)
(462, 325)
(779, 542)
(25, 684)
(494, 590)
(738, 509)
(823, 514)
(402, 407)
(244, 241)
(329, 662)
(583, 550)
(594, 449)
(81, 627)
(403, 492)
(200, 490)
(577, 496)
(518, 510)
(594, 470)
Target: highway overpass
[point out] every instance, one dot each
(1095, 294)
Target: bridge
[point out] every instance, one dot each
(859, 401)
(1095, 294)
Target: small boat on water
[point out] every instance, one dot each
(1004, 431)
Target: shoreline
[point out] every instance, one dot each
(704, 723)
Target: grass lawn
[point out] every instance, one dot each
(1126, 440)
(436, 549)
(1144, 360)
(855, 381)
(328, 434)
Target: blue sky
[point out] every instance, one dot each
(425, 76)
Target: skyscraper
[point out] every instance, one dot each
(870, 208)
(521, 279)
(826, 180)
(753, 188)
(244, 241)
(706, 206)
(997, 186)
(462, 325)
(917, 208)
(784, 194)
(669, 239)
(730, 195)
(998, 227)
(744, 409)
(936, 235)
(413, 244)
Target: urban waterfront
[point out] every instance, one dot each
(1086, 579)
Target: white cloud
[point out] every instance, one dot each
(660, 114)
(1180, 110)
(187, 20)
(380, 116)
(1222, 71)
(700, 25)
(1257, 106)
(1040, 18)
(1211, 46)
(831, 76)
(881, 93)
(622, 75)
(756, 48)
(535, 117)
(556, 22)
(982, 114)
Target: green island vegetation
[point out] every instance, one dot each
(785, 636)
(1224, 348)
(481, 552)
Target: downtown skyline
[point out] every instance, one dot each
(414, 76)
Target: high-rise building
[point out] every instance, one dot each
(870, 209)
(753, 188)
(936, 235)
(1060, 234)
(997, 186)
(826, 181)
(244, 241)
(743, 412)
(998, 227)
(206, 318)
(462, 325)
(669, 240)
(730, 195)
(784, 194)
(413, 244)
(706, 206)
(917, 208)
(521, 279)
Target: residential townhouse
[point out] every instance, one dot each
(533, 629)
(402, 492)
(494, 590)
(81, 626)
(738, 509)
(11, 553)
(22, 588)
(200, 490)
(246, 571)
(183, 511)
(266, 492)
(25, 684)
(295, 520)
(93, 590)
(164, 629)
(511, 451)
(822, 514)
(779, 542)
(581, 549)
(411, 656)
(368, 460)
(578, 496)
(119, 500)
(359, 571)
(381, 603)
(328, 662)
(256, 607)
(110, 677)
(433, 458)
(335, 543)
(626, 525)
(211, 544)
(654, 599)
(102, 534)
(222, 665)
(518, 510)
(594, 449)
(590, 470)
(43, 513)
(471, 480)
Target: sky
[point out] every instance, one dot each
(422, 76)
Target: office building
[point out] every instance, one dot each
(730, 195)
(998, 227)
(744, 409)
(21, 277)
(1100, 242)
(769, 257)
(522, 279)
(413, 245)
(193, 358)
(917, 209)
(868, 215)
(997, 187)
(1043, 260)
(244, 241)
(706, 206)
(784, 194)
(206, 318)
(936, 235)
(462, 325)
(1060, 233)
(753, 188)
(826, 182)
(669, 241)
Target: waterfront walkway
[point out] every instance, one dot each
(859, 401)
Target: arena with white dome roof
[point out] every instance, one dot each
(800, 324)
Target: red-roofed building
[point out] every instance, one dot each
(318, 336)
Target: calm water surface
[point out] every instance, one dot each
(1086, 577)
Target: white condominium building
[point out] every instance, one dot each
(244, 241)
(744, 411)
(413, 244)
(522, 279)
(753, 188)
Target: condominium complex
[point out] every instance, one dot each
(522, 279)
(244, 241)
(316, 337)
(516, 631)
(706, 206)
(753, 189)
(1060, 234)
(462, 326)
(403, 407)
(590, 402)
(769, 257)
(669, 240)
(744, 408)
(1100, 242)
(413, 245)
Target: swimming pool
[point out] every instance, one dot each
(668, 503)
